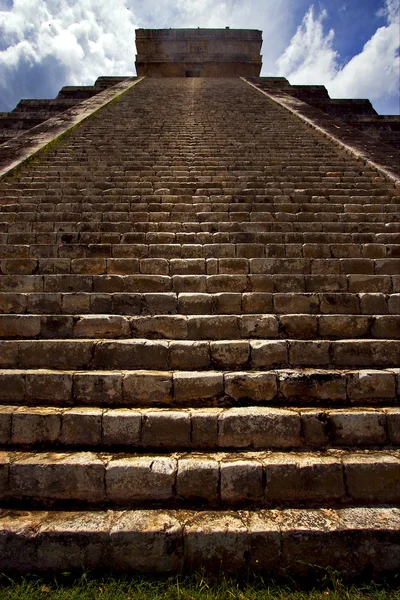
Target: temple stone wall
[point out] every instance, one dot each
(198, 52)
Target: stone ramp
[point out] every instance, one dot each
(199, 343)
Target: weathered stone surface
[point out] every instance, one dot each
(300, 478)
(121, 427)
(166, 429)
(135, 479)
(257, 387)
(146, 388)
(32, 426)
(48, 476)
(357, 427)
(146, 541)
(241, 481)
(193, 385)
(373, 477)
(198, 479)
(81, 426)
(258, 427)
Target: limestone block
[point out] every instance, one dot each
(140, 478)
(162, 303)
(256, 386)
(154, 266)
(93, 326)
(358, 427)
(225, 283)
(189, 355)
(241, 481)
(394, 304)
(195, 304)
(343, 326)
(49, 387)
(70, 540)
(393, 420)
(299, 326)
(340, 304)
(19, 326)
(121, 427)
(131, 354)
(386, 327)
(56, 326)
(8, 354)
(257, 302)
(81, 427)
(102, 387)
(194, 385)
(204, 425)
(12, 385)
(145, 388)
(51, 476)
(267, 354)
(146, 541)
(315, 428)
(259, 427)
(166, 429)
(6, 413)
(168, 326)
(258, 326)
(373, 477)
(125, 304)
(367, 384)
(366, 353)
(51, 354)
(74, 303)
(213, 327)
(215, 541)
(123, 266)
(296, 478)
(198, 479)
(88, 266)
(229, 354)
(310, 354)
(189, 283)
(36, 425)
(226, 303)
(317, 534)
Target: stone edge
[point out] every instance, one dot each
(22, 147)
(377, 154)
(354, 540)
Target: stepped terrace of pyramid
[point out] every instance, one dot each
(199, 322)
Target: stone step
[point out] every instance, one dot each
(140, 283)
(375, 303)
(277, 244)
(203, 327)
(200, 266)
(10, 223)
(239, 479)
(357, 540)
(180, 354)
(50, 257)
(333, 388)
(243, 428)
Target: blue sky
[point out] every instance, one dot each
(351, 46)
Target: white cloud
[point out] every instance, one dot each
(311, 58)
(84, 40)
(45, 44)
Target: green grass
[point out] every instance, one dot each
(195, 587)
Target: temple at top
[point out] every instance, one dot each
(198, 52)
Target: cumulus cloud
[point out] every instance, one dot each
(62, 41)
(311, 58)
(45, 44)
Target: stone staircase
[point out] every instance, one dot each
(199, 353)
